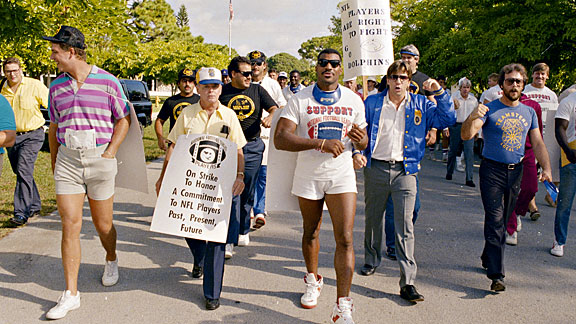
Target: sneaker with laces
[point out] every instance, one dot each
(342, 311)
(313, 289)
(259, 220)
(110, 275)
(65, 303)
(229, 251)
(518, 223)
(557, 250)
(512, 239)
(243, 240)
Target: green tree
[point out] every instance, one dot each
(155, 19)
(182, 20)
(473, 39)
(286, 62)
(26, 21)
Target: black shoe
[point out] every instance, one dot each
(497, 285)
(448, 177)
(470, 184)
(367, 270)
(391, 253)
(409, 293)
(18, 221)
(212, 304)
(197, 272)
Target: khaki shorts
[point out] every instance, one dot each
(85, 171)
(316, 189)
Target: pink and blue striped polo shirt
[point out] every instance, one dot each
(96, 105)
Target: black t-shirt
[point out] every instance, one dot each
(248, 104)
(174, 105)
(418, 79)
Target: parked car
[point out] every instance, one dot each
(136, 92)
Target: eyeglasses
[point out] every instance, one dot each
(257, 63)
(12, 72)
(246, 74)
(324, 63)
(399, 77)
(511, 81)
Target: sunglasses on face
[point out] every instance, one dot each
(324, 63)
(246, 74)
(396, 77)
(257, 63)
(511, 81)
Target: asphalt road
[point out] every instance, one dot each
(263, 282)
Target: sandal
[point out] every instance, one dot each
(534, 215)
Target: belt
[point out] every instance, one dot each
(509, 166)
(391, 163)
(252, 139)
(26, 132)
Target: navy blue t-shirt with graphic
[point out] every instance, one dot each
(505, 129)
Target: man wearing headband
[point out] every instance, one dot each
(89, 119)
(325, 124)
(208, 116)
(248, 100)
(397, 125)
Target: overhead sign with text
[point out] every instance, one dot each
(366, 37)
(196, 192)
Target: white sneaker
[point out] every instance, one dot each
(65, 303)
(459, 166)
(110, 275)
(313, 289)
(518, 223)
(557, 249)
(243, 240)
(259, 220)
(512, 239)
(342, 311)
(229, 251)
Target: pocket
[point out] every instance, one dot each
(104, 168)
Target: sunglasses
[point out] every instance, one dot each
(324, 63)
(511, 81)
(257, 63)
(246, 74)
(399, 77)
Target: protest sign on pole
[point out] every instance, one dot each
(366, 37)
(196, 193)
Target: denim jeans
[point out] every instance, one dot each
(260, 192)
(567, 190)
(499, 187)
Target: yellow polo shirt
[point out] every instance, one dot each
(194, 120)
(30, 94)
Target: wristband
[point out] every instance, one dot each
(322, 146)
(240, 173)
(356, 152)
(438, 92)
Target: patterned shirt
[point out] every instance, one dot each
(96, 105)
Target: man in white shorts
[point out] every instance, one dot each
(89, 119)
(325, 123)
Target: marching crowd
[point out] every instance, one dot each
(385, 129)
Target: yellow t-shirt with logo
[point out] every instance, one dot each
(194, 120)
(26, 102)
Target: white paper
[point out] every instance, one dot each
(196, 193)
(366, 37)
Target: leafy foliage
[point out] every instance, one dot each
(461, 38)
(286, 62)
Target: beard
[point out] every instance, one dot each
(512, 95)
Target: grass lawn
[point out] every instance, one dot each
(45, 181)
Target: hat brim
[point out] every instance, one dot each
(258, 60)
(53, 39)
(211, 81)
